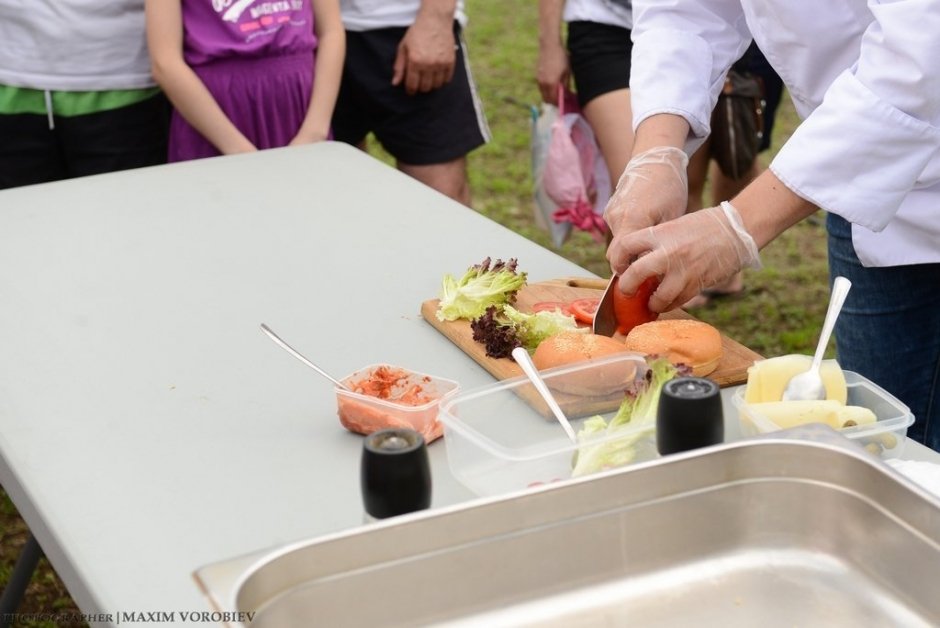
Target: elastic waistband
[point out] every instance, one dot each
(260, 64)
(68, 104)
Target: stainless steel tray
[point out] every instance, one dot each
(770, 532)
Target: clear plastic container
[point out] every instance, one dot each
(502, 437)
(418, 410)
(885, 437)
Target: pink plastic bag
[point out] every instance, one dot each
(545, 207)
(575, 177)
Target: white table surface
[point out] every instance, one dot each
(147, 426)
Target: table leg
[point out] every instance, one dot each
(19, 580)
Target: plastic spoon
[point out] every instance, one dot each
(296, 354)
(522, 359)
(809, 385)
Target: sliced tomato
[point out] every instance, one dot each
(635, 310)
(584, 309)
(551, 306)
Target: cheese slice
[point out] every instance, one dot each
(767, 379)
(833, 413)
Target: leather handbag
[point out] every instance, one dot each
(737, 124)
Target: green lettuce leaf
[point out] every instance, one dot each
(636, 418)
(480, 287)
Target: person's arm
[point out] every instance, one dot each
(664, 129)
(330, 54)
(654, 186)
(680, 58)
(768, 208)
(427, 53)
(184, 89)
(681, 54)
(553, 68)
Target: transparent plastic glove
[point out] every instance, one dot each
(653, 188)
(690, 253)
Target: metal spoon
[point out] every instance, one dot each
(809, 385)
(296, 354)
(522, 359)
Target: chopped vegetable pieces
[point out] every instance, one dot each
(584, 310)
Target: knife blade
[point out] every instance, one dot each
(605, 318)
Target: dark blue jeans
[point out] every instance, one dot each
(889, 329)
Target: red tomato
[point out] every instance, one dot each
(584, 309)
(551, 306)
(635, 310)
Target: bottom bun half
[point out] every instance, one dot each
(602, 374)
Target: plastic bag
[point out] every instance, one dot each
(572, 185)
(545, 207)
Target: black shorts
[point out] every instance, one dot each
(600, 58)
(423, 129)
(117, 139)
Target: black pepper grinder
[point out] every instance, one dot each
(394, 473)
(689, 415)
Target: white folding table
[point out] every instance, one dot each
(147, 426)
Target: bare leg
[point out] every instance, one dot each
(449, 178)
(611, 119)
(698, 173)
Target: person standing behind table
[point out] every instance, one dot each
(76, 95)
(863, 78)
(598, 58)
(407, 80)
(246, 76)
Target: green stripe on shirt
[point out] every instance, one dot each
(67, 104)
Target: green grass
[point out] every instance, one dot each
(780, 312)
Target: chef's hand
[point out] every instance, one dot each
(689, 254)
(653, 188)
(427, 54)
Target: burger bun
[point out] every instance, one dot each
(607, 376)
(683, 341)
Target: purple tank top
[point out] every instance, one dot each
(218, 29)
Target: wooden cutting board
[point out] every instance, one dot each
(731, 371)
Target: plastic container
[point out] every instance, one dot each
(502, 437)
(423, 393)
(884, 438)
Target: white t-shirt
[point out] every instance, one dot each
(613, 12)
(862, 75)
(367, 15)
(74, 45)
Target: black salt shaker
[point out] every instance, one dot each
(395, 474)
(689, 415)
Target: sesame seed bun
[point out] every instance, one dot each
(572, 347)
(691, 342)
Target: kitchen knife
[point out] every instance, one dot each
(605, 318)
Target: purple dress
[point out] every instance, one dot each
(256, 58)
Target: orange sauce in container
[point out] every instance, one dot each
(393, 384)
(386, 396)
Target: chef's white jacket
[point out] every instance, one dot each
(864, 76)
